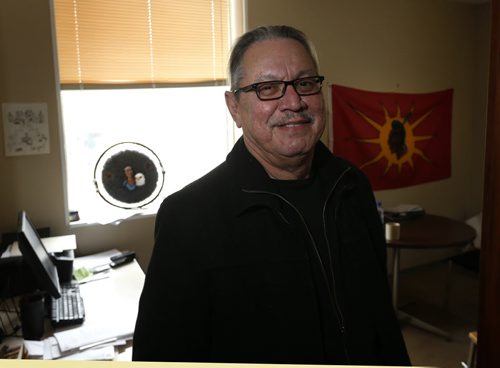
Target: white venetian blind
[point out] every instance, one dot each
(141, 42)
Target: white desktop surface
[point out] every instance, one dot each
(110, 309)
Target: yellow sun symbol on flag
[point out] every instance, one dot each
(396, 138)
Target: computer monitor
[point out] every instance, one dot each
(37, 257)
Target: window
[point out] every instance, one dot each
(147, 73)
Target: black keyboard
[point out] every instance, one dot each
(68, 309)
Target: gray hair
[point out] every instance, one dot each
(262, 34)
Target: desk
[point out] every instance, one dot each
(111, 306)
(426, 232)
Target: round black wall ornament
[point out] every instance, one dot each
(129, 175)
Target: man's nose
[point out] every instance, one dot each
(291, 100)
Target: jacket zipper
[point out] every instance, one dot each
(333, 294)
(328, 246)
(330, 259)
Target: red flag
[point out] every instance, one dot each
(397, 139)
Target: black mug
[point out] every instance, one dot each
(32, 316)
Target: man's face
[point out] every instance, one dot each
(278, 130)
(128, 171)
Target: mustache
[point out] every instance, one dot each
(303, 117)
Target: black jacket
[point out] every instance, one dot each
(235, 275)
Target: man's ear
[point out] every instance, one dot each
(233, 106)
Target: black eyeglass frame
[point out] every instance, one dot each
(254, 87)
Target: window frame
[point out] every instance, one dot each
(238, 25)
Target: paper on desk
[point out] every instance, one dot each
(94, 260)
(12, 250)
(51, 351)
(35, 348)
(84, 267)
(106, 352)
(96, 277)
(92, 335)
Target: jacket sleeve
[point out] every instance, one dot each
(390, 343)
(375, 226)
(172, 322)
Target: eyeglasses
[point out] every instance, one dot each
(273, 90)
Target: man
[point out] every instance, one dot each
(278, 254)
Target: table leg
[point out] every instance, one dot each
(395, 277)
(403, 316)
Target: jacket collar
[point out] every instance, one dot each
(252, 180)
(250, 174)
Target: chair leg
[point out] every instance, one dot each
(471, 360)
(447, 286)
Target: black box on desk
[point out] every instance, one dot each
(64, 263)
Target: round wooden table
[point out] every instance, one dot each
(432, 231)
(426, 232)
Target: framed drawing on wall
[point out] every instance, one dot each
(26, 129)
